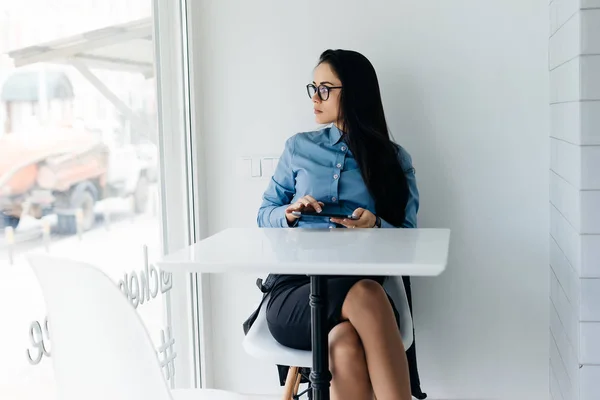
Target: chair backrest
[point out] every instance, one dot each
(100, 347)
(394, 287)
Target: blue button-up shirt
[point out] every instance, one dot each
(320, 164)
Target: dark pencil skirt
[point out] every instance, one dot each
(288, 310)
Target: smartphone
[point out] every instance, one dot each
(322, 214)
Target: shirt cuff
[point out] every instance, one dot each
(278, 219)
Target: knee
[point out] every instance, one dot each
(345, 345)
(367, 294)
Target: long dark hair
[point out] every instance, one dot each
(366, 133)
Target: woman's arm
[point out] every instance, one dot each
(280, 191)
(412, 206)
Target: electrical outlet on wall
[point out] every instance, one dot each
(268, 166)
(256, 167)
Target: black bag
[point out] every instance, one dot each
(250, 321)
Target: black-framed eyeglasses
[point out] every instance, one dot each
(321, 90)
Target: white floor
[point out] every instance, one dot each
(219, 395)
(209, 394)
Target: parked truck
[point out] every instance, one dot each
(65, 172)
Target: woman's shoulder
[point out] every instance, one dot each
(404, 157)
(310, 137)
(305, 141)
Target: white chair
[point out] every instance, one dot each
(260, 344)
(100, 347)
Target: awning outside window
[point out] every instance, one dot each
(123, 47)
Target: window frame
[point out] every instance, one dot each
(182, 210)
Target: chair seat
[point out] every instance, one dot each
(260, 343)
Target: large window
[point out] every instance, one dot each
(80, 175)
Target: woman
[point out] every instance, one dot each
(351, 167)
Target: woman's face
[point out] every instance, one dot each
(326, 111)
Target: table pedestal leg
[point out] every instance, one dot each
(320, 377)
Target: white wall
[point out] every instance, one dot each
(465, 87)
(574, 63)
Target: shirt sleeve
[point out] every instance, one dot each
(280, 191)
(412, 205)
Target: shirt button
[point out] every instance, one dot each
(336, 176)
(343, 148)
(334, 199)
(339, 165)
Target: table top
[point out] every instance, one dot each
(292, 251)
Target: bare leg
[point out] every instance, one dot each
(348, 365)
(369, 311)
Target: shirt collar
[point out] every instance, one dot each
(335, 135)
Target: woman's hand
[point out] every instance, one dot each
(365, 219)
(306, 203)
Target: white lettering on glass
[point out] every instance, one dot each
(143, 288)
(166, 353)
(39, 338)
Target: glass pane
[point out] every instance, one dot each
(78, 166)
